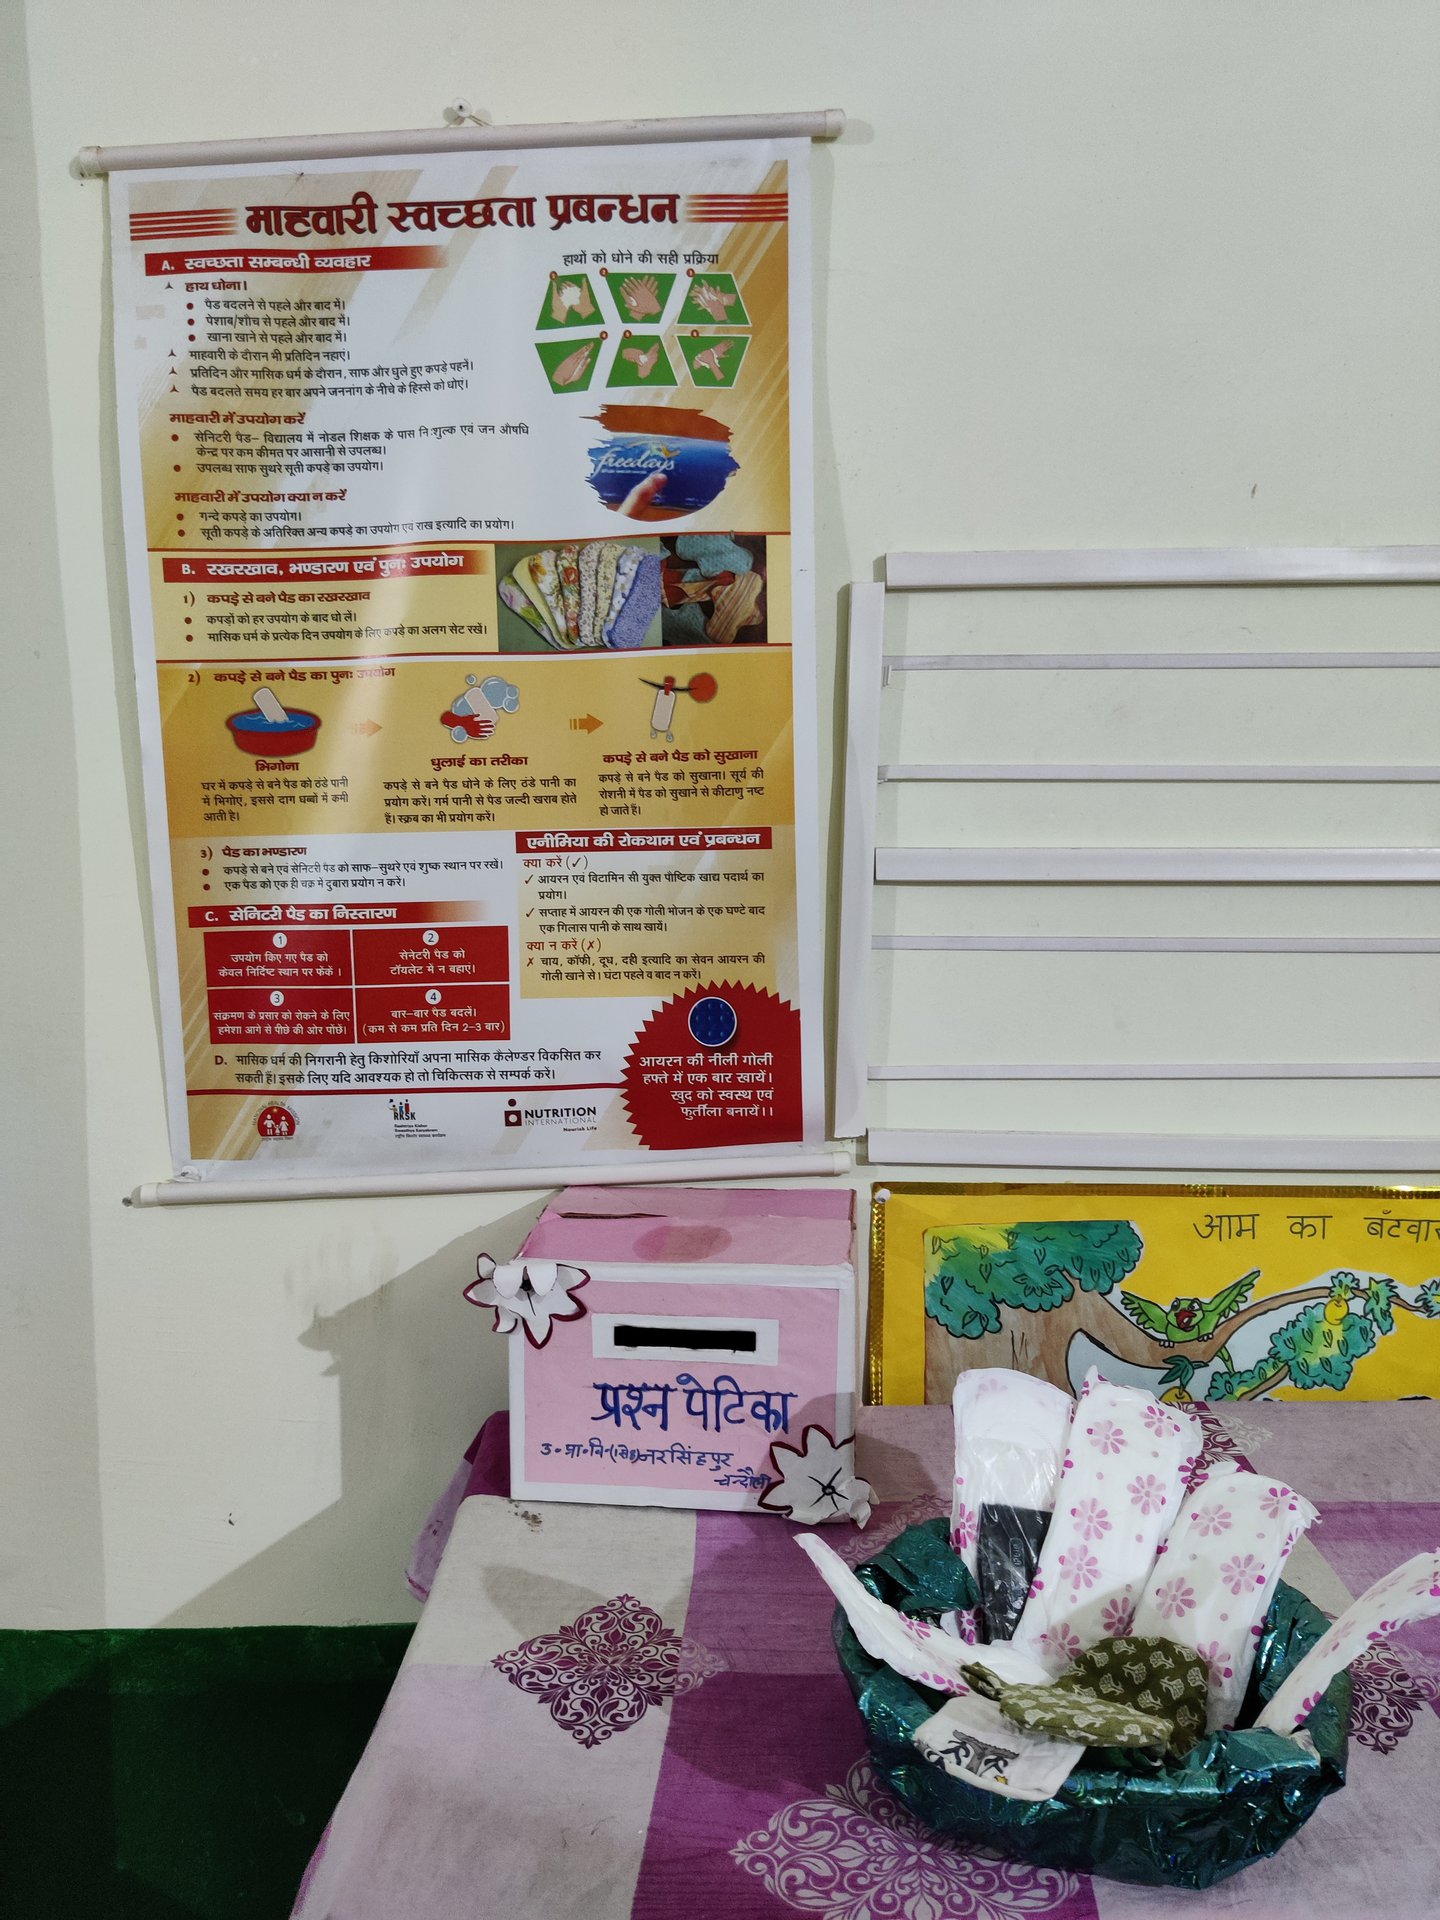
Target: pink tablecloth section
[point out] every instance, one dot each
(630, 1714)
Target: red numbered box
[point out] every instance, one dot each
(279, 957)
(281, 1017)
(431, 956)
(430, 1013)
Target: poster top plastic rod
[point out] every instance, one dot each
(827, 123)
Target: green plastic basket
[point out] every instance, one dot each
(1236, 1798)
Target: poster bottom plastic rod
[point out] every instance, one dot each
(1198, 1152)
(201, 1193)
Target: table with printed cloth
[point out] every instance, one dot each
(637, 1714)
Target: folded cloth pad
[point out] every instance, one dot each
(1127, 1464)
(1122, 1693)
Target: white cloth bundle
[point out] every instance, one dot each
(1124, 1474)
(1216, 1574)
(1411, 1592)
(1010, 1432)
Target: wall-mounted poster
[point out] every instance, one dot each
(467, 510)
(1203, 1293)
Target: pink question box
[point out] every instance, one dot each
(715, 1323)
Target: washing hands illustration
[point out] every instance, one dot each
(713, 299)
(642, 359)
(641, 297)
(1189, 1318)
(570, 297)
(711, 358)
(572, 367)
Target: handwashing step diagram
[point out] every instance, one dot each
(625, 327)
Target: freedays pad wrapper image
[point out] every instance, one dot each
(656, 463)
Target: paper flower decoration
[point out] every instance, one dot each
(530, 1294)
(816, 1481)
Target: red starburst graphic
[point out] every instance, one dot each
(718, 1066)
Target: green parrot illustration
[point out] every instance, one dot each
(1189, 1318)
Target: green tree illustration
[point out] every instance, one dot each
(1023, 1292)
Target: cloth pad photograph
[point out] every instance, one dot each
(710, 554)
(609, 558)
(567, 568)
(589, 569)
(627, 561)
(626, 567)
(513, 594)
(1010, 1434)
(1411, 1592)
(540, 584)
(631, 625)
(736, 605)
(1216, 1575)
(1125, 1471)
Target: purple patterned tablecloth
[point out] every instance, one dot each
(636, 1714)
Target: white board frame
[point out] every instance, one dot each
(865, 865)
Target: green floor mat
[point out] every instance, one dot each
(177, 1774)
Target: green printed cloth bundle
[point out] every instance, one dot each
(1119, 1693)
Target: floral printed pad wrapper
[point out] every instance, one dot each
(1216, 1576)
(912, 1648)
(1411, 1592)
(1121, 1484)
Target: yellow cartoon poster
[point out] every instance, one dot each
(467, 505)
(1203, 1293)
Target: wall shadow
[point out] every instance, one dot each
(419, 1371)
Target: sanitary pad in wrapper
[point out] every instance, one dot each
(1010, 1433)
(1216, 1575)
(1125, 1470)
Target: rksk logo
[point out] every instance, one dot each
(408, 1124)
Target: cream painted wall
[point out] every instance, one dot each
(1094, 273)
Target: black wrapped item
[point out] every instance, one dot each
(1235, 1798)
(1006, 1555)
